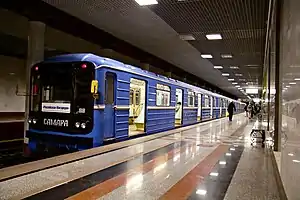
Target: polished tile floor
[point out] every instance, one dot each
(194, 163)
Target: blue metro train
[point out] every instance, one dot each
(78, 101)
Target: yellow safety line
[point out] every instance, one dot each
(14, 140)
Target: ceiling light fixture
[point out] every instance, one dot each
(252, 65)
(225, 74)
(187, 37)
(218, 67)
(297, 79)
(294, 66)
(206, 55)
(251, 90)
(238, 74)
(287, 86)
(234, 83)
(272, 91)
(226, 56)
(146, 2)
(214, 37)
(234, 67)
(230, 79)
(292, 83)
(237, 86)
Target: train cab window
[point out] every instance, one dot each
(62, 83)
(36, 98)
(58, 88)
(206, 101)
(163, 95)
(191, 99)
(109, 90)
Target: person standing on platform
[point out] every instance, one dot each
(231, 108)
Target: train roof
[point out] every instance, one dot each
(102, 61)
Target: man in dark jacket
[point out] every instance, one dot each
(230, 109)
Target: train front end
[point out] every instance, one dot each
(61, 107)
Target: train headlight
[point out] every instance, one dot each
(29, 121)
(77, 124)
(34, 121)
(83, 125)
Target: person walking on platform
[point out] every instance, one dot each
(231, 108)
(246, 109)
(250, 109)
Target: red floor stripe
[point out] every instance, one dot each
(184, 188)
(116, 182)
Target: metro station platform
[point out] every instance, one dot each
(211, 160)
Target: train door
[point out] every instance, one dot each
(179, 107)
(211, 107)
(137, 107)
(109, 109)
(199, 107)
(221, 107)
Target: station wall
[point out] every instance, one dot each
(12, 72)
(12, 69)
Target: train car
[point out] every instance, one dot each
(79, 101)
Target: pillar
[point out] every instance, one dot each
(35, 53)
(278, 80)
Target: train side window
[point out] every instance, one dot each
(206, 101)
(109, 89)
(163, 95)
(134, 96)
(131, 97)
(215, 102)
(191, 99)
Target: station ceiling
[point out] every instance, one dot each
(162, 29)
(241, 23)
(159, 28)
